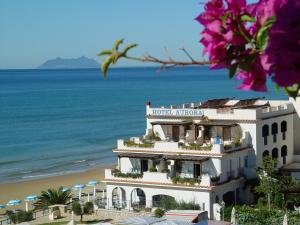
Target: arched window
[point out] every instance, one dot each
(265, 130)
(275, 153)
(274, 131)
(265, 153)
(284, 154)
(283, 129)
(265, 133)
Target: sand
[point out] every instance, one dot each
(19, 190)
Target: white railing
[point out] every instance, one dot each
(147, 177)
(176, 147)
(157, 178)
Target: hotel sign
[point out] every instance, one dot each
(176, 112)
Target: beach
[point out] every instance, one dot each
(19, 190)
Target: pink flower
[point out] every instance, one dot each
(254, 80)
(282, 55)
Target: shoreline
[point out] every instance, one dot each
(21, 189)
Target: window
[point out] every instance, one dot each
(283, 129)
(265, 153)
(275, 153)
(265, 133)
(197, 170)
(274, 131)
(284, 154)
(144, 165)
(246, 161)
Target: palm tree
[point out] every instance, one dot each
(52, 197)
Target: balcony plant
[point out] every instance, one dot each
(153, 169)
(215, 179)
(227, 146)
(185, 180)
(131, 143)
(197, 147)
(118, 173)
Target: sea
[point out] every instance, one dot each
(55, 122)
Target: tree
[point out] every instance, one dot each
(268, 183)
(81, 210)
(52, 197)
(253, 41)
(20, 216)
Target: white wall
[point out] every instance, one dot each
(289, 142)
(127, 164)
(200, 197)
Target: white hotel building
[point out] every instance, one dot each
(204, 152)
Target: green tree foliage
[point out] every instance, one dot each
(167, 203)
(275, 188)
(159, 212)
(247, 215)
(20, 216)
(81, 210)
(52, 197)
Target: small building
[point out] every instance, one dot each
(203, 152)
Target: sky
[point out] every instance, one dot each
(34, 31)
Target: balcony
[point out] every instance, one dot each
(159, 178)
(136, 145)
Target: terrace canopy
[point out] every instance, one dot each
(165, 157)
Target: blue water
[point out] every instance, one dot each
(62, 121)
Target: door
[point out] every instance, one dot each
(226, 133)
(144, 165)
(197, 170)
(175, 133)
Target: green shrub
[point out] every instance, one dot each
(248, 215)
(153, 169)
(197, 147)
(159, 212)
(20, 216)
(215, 179)
(130, 143)
(182, 205)
(185, 180)
(88, 208)
(118, 173)
(227, 147)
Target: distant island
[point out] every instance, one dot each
(73, 63)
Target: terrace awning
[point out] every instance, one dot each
(172, 123)
(140, 155)
(165, 157)
(186, 158)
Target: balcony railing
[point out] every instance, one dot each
(177, 147)
(160, 178)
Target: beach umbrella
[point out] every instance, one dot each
(285, 220)
(233, 216)
(79, 188)
(13, 202)
(93, 183)
(29, 198)
(65, 189)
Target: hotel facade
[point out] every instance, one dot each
(205, 152)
